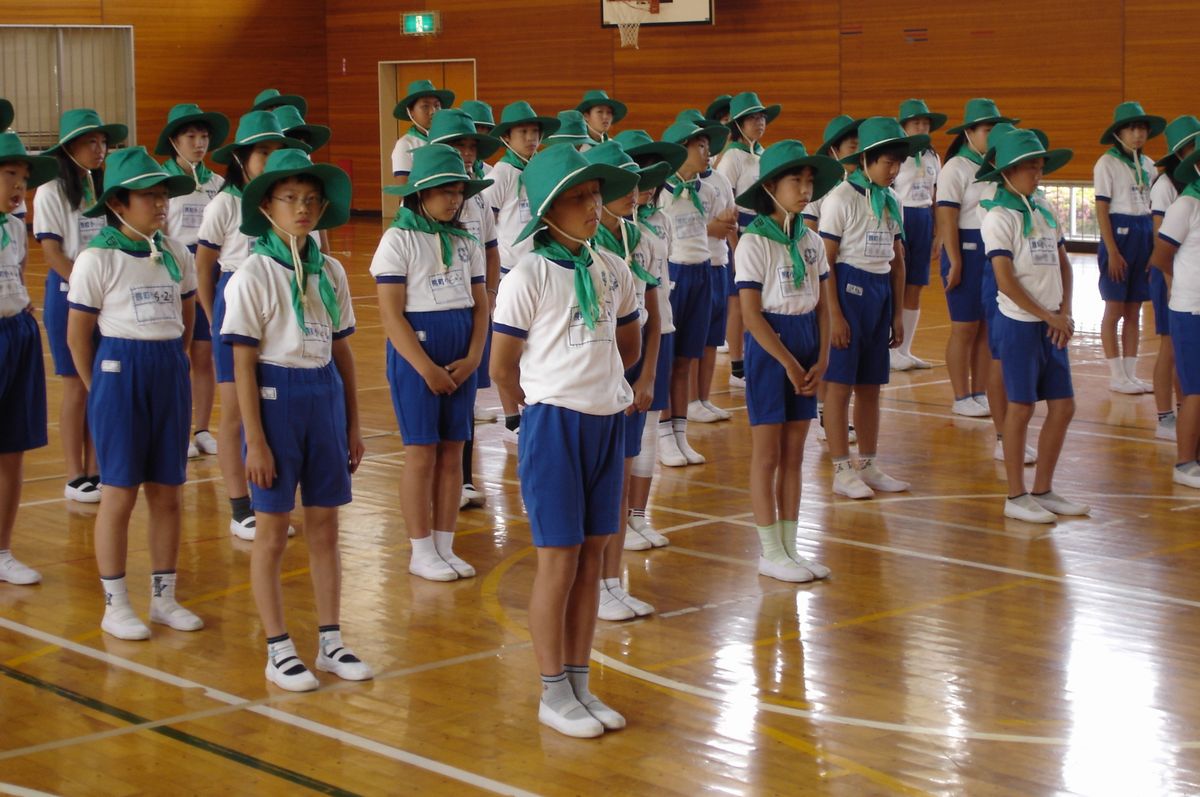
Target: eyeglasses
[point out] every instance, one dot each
(306, 202)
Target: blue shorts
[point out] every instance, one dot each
(964, 301)
(572, 467)
(22, 385)
(425, 418)
(691, 304)
(54, 316)
(918, 245)
(141, 406)
(866, 301)
(662, 374)
(1135, 241)
(1034, 368)
(989, 291)
(1160, 297)
(770, 397)
(483, 377)
(720, 307)
(304, 420)
(222, 352)
(1185, 331)
(636, 422)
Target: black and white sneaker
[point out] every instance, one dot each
(83, 489)
(290, 673)
(342, 662)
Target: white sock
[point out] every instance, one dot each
(643, 463)
(560, 698)
(910, 329)
(115, 594)
(443, 542)
(1130, 367)
(330, 637)
(666, 427)
(424, 547)
(771, 542)
(679, 426)
(1116, 369)
(162, 586)
(842, 463)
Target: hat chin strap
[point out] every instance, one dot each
(624, 233)
(155, 252)
(518, 155)
(753, 142)
(788, 216)
(86, 173)
(192, 166)
(1135, 155)
(297, 267)
(597, 286)
(416, 124)
(1024, 198)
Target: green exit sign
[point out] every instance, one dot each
(426, 23)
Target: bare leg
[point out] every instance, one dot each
(766, 442)
(229, 443)
(72, 427)
(1050, 442)
(1016, 423)
(112, 529)
(165, 525)
(1164, 375)
(960, 348)
(324, 561)
(866, 417)
(417, 488)
(11, 473)
(266, 560)
(837, 419)
(204, 384)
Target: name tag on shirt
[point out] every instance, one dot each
(789, 288)
(10, 281)
(523, 214)
(1140, 197)
(154, 303)
(448, 286)
(689, 226)
(578, 333)
(317, 340)
(921, 191)
(192, 216)
(89, 228)
(879, 244)
(1043, 251)
(474, 227)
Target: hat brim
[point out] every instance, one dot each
(986, 120)
(717, 135)
(548, 124)
(177, 185)
(1157, 125)
(318, 135)
(672, 154)
(918, 143)
(654, 175)
(471, 186)
(827, 173)
(294, 100)
(847, 129)
(335, 184)
(614, 182)
(7, 114)
(115, 134)
(573, 139)
(771, 112)
(42, 169)
(224, 155)
(1185, 172)
(485, 145)
(718, 108)
(217, 124)
(936, 120)
(1055, 160)
(618, 108)
(444, 96)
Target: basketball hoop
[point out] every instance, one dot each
(629, 16)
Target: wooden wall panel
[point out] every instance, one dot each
(1160, 38)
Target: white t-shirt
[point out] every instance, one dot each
(135, 297)
(864, 241)
(766, 265)
(402, 153)
(1181, 226)
(14, 298)
(741, 168)
(1035, 258)
(415, 259)
(656, 246)
(480, 220)
(506, 196)
(220, 230)
(718, 247)
(690, 244)
(1163, 194)
(54, 218)
(258, 312)
(563, 362)
(186, 213)
(958, 188)
(1114, 181)
(812, 211)
(915, 185)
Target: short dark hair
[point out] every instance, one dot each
(413, 203)
(899, 151)
(202, 126)
(72, 180)
(649, 160)
(735, 130)
(234, 175)
(122, 196)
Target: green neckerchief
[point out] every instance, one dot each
(477, 169)
(5, 240)
(416, 132)
(691, 188)
(1005, 198)
(112, 238)
(1192, 189)
(585, 288)
(633, 236)
(1141, 177)
(513, 159)
(312, 262)
(203, 173)
(768, 228)
(233, 189)
(882, 200)
(917, 157)
(644, 212)
(968, 152)
(405, 219)
(741, 145)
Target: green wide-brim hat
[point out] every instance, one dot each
(284, 163)
(522, 113)
(838, 128)
(79, 121)
(718, 108)
(270, 98)
(916, 109)
(419, 89)
(747, 103)
(885, 131)
(480, 111)
(1183, 129)
(639, 143)
(434, 165)
(600, 97)
(7, 114)
(133, 169)
(613, 154)
(452, 124)
(558, 169)
(980, 111)
(254, 128)
(1018, 146)
(1126, 114)
(784, 156)
(42, 169)
(694, 116)
(291, 120)
(186, 114)
(572, 129)
(683, 132)
(1186, 172)
(1000, 130)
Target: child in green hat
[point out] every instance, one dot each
(572, 131)
(1024, 241)
(63, 230)
(139, 289)
(566, 324)
(430, 273)
(220, 236)
(600, 113)
(840, 142)
(288, 318)
(418, 106)
(23, 378)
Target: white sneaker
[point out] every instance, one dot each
(723, 348)
(485, 415)
(851, 435)
(918, 364)
(205, 442)
(344, 664)
(982, 400)
(444, 545)
(433, 568)
(784, 571)
(970, 408)
(1166, 429)
(170, 613)
(881, 482)
(634, 539)
(698, 413)
(1030, 453)
(818, 570)
(692, 456)
(639, 607)
(613, 608)
(669, 454)
(463, 501)
(737, 381)
(1117, 385)
(193, 451)
(473, 496)
(1188, 476)
(290, 673)
(1053, 502)
(15, 572)
(849, 483)
(1023, 507)
(609, 717)
(243, 529)
(123, 623)
(642, 526)
(580, 727)
(83, 490)
(821, 432)
(722, 414)
(1143, 384)
(900, 361)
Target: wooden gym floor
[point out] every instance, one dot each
(952, 652)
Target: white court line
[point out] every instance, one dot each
(988, 422)
(21, 791)
(329, 732)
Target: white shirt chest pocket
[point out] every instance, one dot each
(578, 333)
(1043, 251)
(318, 341)
(448, 286)
(879, 244)
(1139, 197)
(155, 303)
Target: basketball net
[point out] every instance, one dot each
(629, 15)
